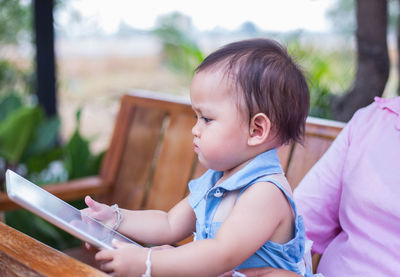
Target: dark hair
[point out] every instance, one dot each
(270, 81)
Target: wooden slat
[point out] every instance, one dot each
(21, 255)
(320, 133)
(112, 159)
(75, 189)
(318, 127)
(174, 165)
(304, 157)
(140, 148)
(159, 102)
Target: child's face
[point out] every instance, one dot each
(221, 131)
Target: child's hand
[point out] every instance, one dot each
(99, 211)
(126, 260)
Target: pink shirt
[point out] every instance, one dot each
(350, 199)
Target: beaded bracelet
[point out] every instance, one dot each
(119, 216)
(148, 265)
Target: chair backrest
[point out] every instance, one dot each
(151, 159)
(320, 133)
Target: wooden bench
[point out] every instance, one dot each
(151, 159)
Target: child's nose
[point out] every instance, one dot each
(196, 129)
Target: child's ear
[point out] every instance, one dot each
(260, 127)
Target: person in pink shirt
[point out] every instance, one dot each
(350, 199)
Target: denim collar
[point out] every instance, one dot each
(266, 163)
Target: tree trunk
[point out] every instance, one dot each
(372, 59)
(45, 56)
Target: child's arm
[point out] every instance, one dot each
(148, 226)
(159, 227)
(258, 213)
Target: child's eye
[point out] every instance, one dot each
(206, 119)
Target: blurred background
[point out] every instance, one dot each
(94, 51)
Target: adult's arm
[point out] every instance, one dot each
(318, 194)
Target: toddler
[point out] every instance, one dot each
(249, 97)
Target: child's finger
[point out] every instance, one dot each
(89, 201)
(92, 204)
(104, 255)
(88, 246)
(120, 244)
(107, 267)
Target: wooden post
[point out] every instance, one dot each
(45, 58)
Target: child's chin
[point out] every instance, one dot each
(203, 162)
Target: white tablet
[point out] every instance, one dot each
(60, 213)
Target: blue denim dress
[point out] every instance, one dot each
(205, 197)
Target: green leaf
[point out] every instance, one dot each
(39, 162)
(77, 156)
(44, 138)
(9, 104)
(16, 132)
(79, 160)
(94, 164)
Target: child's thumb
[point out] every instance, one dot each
(91, 203)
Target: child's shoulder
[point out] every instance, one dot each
(274, 187)
(277, 180)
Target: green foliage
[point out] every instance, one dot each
(181, 52)
(15, 18)
(29, 144)
(79, 161)
(25, 134)
(328, 72)
(16, 132)
(9, 104)
(14, 80)
(40, 229)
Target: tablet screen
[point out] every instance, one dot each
(60, 213)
